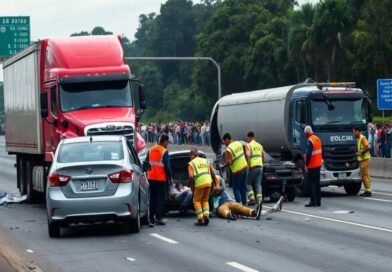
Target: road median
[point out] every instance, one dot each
(381, 168)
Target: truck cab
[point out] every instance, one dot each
(332, 110)
(63, 88)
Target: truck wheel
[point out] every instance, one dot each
(21, 175)
(353, 188)
(31, 194)
(291, 193)
(53, 229)
(303, 188)
(134, 223)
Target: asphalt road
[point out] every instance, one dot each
(345, 234)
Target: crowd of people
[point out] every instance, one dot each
(181, 132)
(380, 140)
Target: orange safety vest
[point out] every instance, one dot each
(155, 158)
(317, 155)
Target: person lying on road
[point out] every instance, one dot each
(228, 208)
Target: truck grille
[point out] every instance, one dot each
(340, 158)
(126, 131)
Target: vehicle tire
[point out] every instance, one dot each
(353, 188)
(53, 229)
(291, 193)
(303, 188)
(31, 194)
(134, 223)
(21, 175)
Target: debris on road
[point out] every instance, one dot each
(11, 198)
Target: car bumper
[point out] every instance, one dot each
(339, 178)
(91, 209)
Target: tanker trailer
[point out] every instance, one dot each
(278, 117)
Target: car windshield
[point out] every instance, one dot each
(342, 112)
(90, 151)
(99, 94)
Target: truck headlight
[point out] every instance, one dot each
(143, 154)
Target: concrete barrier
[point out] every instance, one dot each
(381, 168)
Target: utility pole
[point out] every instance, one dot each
(217, 66)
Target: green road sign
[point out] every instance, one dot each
(14, 35)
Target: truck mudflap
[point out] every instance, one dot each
(339, 178)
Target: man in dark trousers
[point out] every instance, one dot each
(314, 160)
(158, 177)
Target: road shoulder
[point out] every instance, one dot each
(12, 258)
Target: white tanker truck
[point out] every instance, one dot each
(278, 117)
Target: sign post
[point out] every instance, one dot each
(384, 96)
(14, 35)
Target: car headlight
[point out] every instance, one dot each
(143, 154)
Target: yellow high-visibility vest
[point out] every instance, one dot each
(256, 154)
(360, 148)
(201, 171)
(236, 149)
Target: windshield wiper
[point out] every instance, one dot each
(331, 107)
(84, 108)
(333, 122)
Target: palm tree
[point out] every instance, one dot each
(301, 45)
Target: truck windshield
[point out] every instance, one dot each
(344, 112)
(99, 94)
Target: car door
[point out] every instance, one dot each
(140, 178)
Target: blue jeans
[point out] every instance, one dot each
(184, 199)
(239, 186)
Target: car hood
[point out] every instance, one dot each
(83, 118)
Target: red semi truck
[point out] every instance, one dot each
(63, 88)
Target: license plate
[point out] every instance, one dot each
(342, 175)
(88, 186)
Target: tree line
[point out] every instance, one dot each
(259, 44)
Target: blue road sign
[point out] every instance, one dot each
(384, 94)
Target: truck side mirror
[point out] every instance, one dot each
(142, 99)
(44, 105)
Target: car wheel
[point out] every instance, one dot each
(352, 188)
(291, 193)
(134, 223)
(54, 229)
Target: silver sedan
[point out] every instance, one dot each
(96, 179)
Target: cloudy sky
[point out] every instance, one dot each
(59, 18)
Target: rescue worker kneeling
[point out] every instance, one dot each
(228, 208)
(201, 175)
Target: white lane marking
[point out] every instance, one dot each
(377, 199)
(130, 259)
(381, 193)
(241, 267)
(29, 251)
(339, 221)
(163, 238)
(342, 212)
